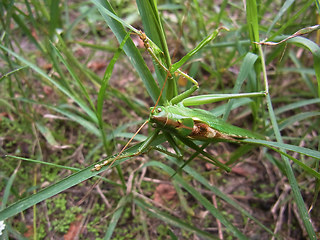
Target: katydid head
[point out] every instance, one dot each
(157, 113)
(166, 118)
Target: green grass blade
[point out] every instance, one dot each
(73, 75)
(91, 127)
(287, 4)
(286, 163)
(252, 22)
(108, 10)
(116, 25)
(202, 44)
(44, 163)
(5, 75)
(198, 177)
(153, 26)
(106, 78)
(116, 216)
(315, 50)
(168, 219)
(296, 118)
(290, 175)
(284, 146)
(55, 20)
(246, 67)
(47, 192)
(296, 105)
(102, 91)
(154, 30)
(7, 189)
(292, 19)
(64, 184)
(204, 202)
(90, 113)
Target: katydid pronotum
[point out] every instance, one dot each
(186, 124)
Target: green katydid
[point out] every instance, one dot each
(186, 124)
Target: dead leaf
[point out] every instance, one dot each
(165, 194)
(74, 229)
(97, 65)
(47, 90)
(29, 233)
(240, 171)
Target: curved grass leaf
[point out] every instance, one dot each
(287, 4)
(292, 19)
(5, 75)
(289, 173)
(296, 105)
(71, 115)
(204, 202)
(116, 24)
(154, 30)
(66, 183)
(44, 163)
(288, 147)
(153, 26)
(246, 67)
(73, 75)
(168, 219)
(203, 43)
(198, 177)
(7, 189)
(252, 22)
(315, 50)
(296, 118)
(82, 104)
(116, 216)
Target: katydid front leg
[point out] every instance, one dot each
(155, 52)
(143, 148)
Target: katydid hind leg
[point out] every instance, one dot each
(192, 145)
(193, 156)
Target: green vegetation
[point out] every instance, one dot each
(79, 78)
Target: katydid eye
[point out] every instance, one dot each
(159, 110)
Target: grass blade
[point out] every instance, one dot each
(165, 217)
(200, 198)
(290, 175)
(64, 184)
(315, 50)
(90, 113)
(116, 216)
(281, 12)
(115, 23)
